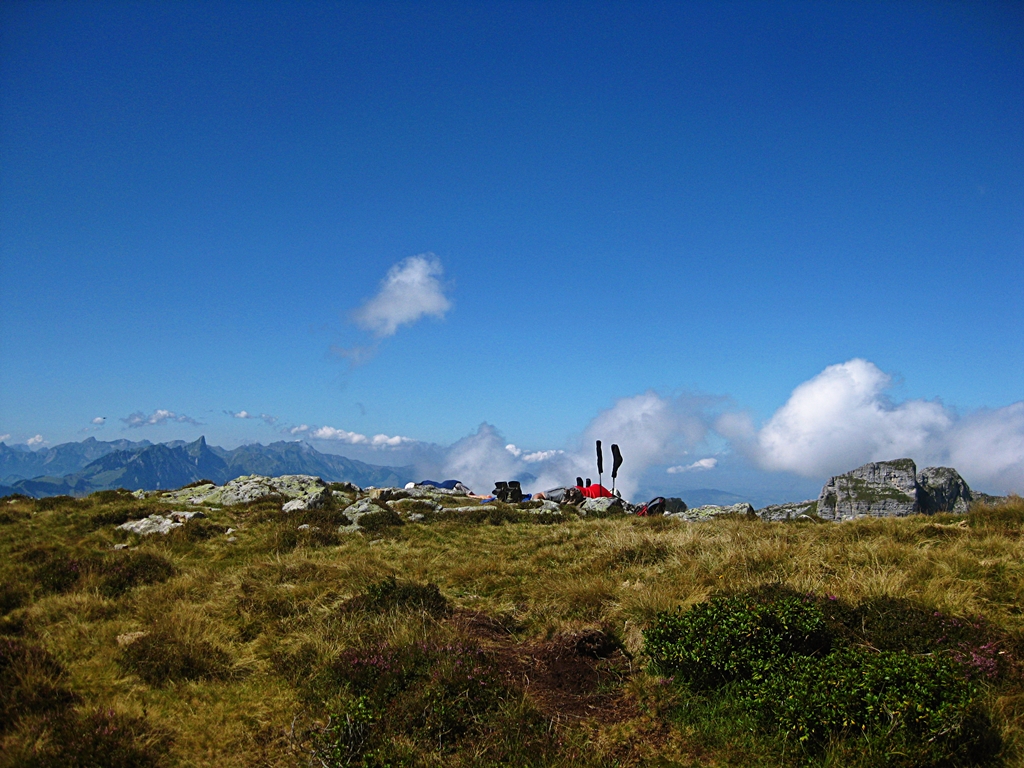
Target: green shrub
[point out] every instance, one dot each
(798, 666)
(911, 710)
(125, 570)
(730, 638)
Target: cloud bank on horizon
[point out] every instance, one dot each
(838, 420)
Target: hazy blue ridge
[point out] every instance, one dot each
(163, 466)
(64, 459)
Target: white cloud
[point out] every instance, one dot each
(4, 437)
(299, 429)
(989, 445)
(354, 438)
(240, 414)
(842, 418)
(697, 466)
(411, 290)
(99, 420)
(480, 459)
(159, 416)
(649, 430)
(32, 442)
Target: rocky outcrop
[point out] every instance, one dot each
(711, 511)
(941, 489)
(893, 489)
(311, 492)
(878, 489)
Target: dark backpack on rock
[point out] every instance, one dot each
(510, 492)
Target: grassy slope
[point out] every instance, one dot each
(267, 613)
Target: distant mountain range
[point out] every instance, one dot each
(77, 469)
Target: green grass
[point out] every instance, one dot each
(492, 637)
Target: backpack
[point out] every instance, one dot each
(509, 492)
(655, 506)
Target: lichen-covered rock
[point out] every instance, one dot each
(790, 511)
(312, 491)
(150, 525)
(603, 506)
(941, 489)
(878, 489)
(711, 511)
(360, 510)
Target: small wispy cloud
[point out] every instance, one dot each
(411, 290)
(32, 442)
(159, 416)
(99, 420)
(271, 420)
(5, 437)
(535, 456)
(697, 466)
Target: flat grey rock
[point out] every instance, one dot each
(150, 525)
(710, 512)
(793, 510)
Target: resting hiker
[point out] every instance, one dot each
(445, 485)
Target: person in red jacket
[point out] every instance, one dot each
(594, 491)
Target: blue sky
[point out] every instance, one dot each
(781, 239)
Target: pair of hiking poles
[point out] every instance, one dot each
(616, 463)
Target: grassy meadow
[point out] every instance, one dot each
(506, 638)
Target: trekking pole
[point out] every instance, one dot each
(616, 463)
(600, 462)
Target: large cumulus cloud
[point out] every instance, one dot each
(843, 417)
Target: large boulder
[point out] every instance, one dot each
(608, 505)
(878, 489)
(941, 489)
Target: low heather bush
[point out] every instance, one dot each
(389, 595)
(94, 739)
(166, 654)
(125, 570)
(31, 681)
